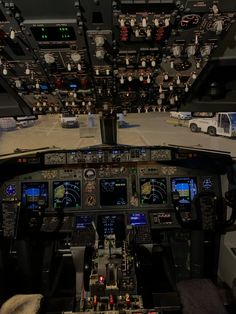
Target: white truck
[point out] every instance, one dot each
(223, 123)
(69, 120)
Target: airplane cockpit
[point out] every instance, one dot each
(113, 217)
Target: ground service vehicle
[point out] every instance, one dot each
(69, 120)
(223, 123)
(181, 115)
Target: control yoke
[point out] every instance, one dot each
(210, 211)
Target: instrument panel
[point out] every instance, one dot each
(107, 186)
(68, 186)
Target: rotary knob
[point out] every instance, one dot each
(76, 57)
(49, 58)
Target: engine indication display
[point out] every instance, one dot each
(153, 191)
(113, 192)
(66, 194)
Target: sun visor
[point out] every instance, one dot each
(11, 105)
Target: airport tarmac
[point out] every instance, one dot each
(143, 129)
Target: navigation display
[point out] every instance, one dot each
(34, 194)
(66, 194)
(153, 191)
(113, 192)
(187, 188)
(111, 224)
(137, 219)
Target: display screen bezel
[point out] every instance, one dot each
(183, 199)
(42, 194)
(56, 184)
(114, 201)
(147, 203)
